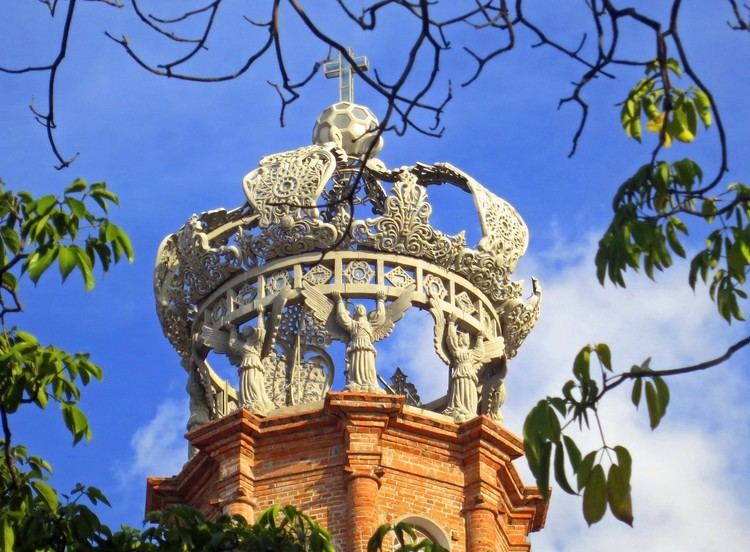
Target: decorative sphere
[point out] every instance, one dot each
(350, 124)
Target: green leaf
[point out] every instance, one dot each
(67, 260)
(84, 266)
(662, 392)
(124, 240)
(9, 536)
(652, 402)
(574, 454)
(44, 204)
(110, 232)
(46, 493)
(77, 207)
(618, 494)
(704, 106)
(624, 460)
(595, 496)
(674, 66)
(604, 354)
(560, 476)
(542, 477)
(11, 239)
(584, 470)
(40, 261)
(76, 422)
(79, 184)
(581, 364)
(635, 396)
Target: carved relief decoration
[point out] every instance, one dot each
(285, 191)
(222, 267)
(404, 227)
(518, 319)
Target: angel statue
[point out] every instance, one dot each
(246, 350)
(360, 331)
(464, 361)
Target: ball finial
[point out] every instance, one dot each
(351, 126)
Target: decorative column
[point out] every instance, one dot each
(232, 446)
(362, 498)
(364, 417)
(480, 488)
(481, 533)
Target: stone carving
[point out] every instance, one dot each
(277, 281)
(398, 277)
(359, 272)
(505, 234)
(247, 350)
(464, 302)
(200, 409)
(518, 318)
(495, 401)
(360, 332)
(202, 265)
(402, 386)
(455, 349)
(171, 306)
(434, 287)
(246, 294)
(220, 271)
(308, 369)
(317, 275)
(404, 227)
(311, 377)
(276, 381)
(285, 191)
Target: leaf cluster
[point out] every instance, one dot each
(671, 112)
(74, 230)
(654, 208)
(602, 475)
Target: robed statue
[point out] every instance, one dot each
(360, 331)
(455, 349)
(247, 349)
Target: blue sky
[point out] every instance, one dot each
(171, 148)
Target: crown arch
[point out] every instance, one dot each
(325, 228)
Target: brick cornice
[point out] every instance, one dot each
(364, 437)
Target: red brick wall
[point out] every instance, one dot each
(358, 461)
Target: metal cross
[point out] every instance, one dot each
(342, 69)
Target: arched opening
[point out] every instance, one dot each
(425, 527)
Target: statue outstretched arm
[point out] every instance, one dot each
(452, 338)
(260, 329)
(342, 313)
(379, 316)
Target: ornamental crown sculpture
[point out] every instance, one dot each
(272, 283)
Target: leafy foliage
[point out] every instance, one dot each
(405, 536)
(34, 232)
(653, 212)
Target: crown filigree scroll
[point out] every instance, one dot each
(330, 247)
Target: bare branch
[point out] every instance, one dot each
(742, 23)
(625, 376)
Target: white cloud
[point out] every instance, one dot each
(686, 473)
(158, 446)
(689, 474)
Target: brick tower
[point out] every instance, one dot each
(271, 286)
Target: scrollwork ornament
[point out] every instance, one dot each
(404, 227)
(518, 319)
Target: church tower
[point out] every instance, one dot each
(296, 289)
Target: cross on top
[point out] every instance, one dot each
(342, 69)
